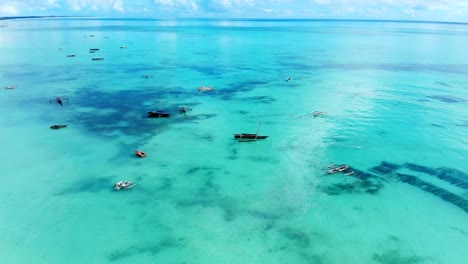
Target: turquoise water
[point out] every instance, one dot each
(396, 97)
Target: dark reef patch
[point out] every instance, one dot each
(301, 238)
(443, 84)
(236, 88)
(201, 168)
(310, 258)
(152, 249)
(365, 186)
(88, 185)
(258, 99)
(361, 174)
(395, 257)
(447, 98)
(385, 168)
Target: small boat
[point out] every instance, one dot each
(71, 55)
(10, 87)
(205, 89)
(94, 49)
(248, 136)
(338, 169)
(140, 153)
(245, 137)
(58, 126)
(183, 109)
(158, 114)
(97, 59)
(319, 113)
(124, 185)
(59, 100)
(123, 47)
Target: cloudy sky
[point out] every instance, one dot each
(435, 10)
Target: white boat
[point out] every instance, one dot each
(10, 87)
(205, 89)
(334, 168)
(125, 185)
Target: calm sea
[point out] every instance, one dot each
(395, 96)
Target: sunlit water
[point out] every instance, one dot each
(396, 98)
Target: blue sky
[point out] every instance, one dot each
(434, 10)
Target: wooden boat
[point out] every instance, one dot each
(94, 49)
(71, 56)
(124, 185)
(140, 153)
(338, 169)
(97, 58)
(245, 137)
(58, 126)
(158, 114)
(248, 136)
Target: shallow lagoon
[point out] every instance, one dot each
(396, 98)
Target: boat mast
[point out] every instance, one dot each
(258, 129)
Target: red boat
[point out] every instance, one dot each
(140, 154)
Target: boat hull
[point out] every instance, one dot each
(249, 136)
(158, 114)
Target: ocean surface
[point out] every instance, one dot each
(395, 96)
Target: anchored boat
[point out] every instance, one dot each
(124, 185)
(334, 168)
(246, 137)
(58, 126)
(205, 89)
(158, 114)
(140, 153)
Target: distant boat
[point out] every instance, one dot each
(59, 100)
(205, 89)
(58, 126)
(71, 55)
(94, 49)
(10, 87)
(335, 169)
(140, 153)
(183, 109)
(319, 113)
(124, 185)
(97, 59)
(158, 114)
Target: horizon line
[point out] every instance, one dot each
(244, 19)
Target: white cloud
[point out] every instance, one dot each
(8, 9)
(381, 9)
(410, 12)
(119, 5)
(184, 4)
